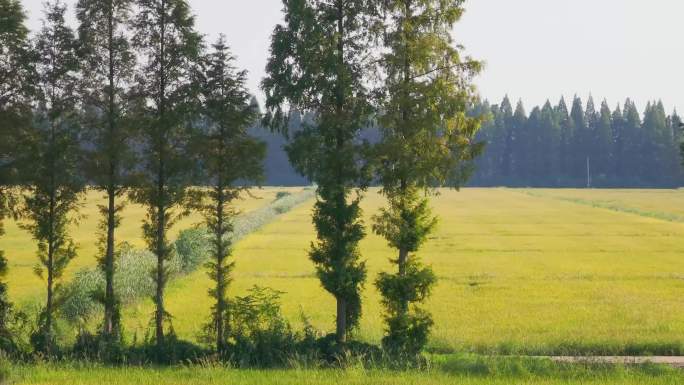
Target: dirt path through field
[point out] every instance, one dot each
(675, 361)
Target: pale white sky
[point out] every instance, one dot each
(534, 49)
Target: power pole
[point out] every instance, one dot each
(588, 174)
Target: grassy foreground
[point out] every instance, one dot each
(446, 370)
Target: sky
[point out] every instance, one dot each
(533, 49)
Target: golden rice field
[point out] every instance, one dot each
(518, 272)
(535, 271)
(21, 250)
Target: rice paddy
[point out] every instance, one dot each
(519, 273)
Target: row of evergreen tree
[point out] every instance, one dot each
(133, 104)
(555, 146)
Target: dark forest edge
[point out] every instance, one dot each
(549, 146)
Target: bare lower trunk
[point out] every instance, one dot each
(341, 321)
(109, 327)
(161, 219)
(51, 262)
(109, 300)
(220, 279)
(48, 307)
(402, 260)
(159, 295)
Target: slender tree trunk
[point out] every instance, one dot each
(51, 248)
(109, 300)
(110, 303)
(50, 298)
(220, 279)
(405, 116)
(159, 295)
(161, 206)
(341, 323)
(340, 200)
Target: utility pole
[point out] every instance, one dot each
(588, 174)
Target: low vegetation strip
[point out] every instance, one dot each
(448, 369)
(613, 206)
(191, 249)
(675, 362)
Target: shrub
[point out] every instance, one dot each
(192, 249)
(282, 194)
(262, 336)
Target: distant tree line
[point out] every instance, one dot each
(552, 145)
(579, 146)
(133, 104)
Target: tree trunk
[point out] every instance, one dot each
(220, 279)
(161, 219)
(51, 251)
(159, 295)
(109, 301)
(341, 325)
(403, 258)
(49, 304)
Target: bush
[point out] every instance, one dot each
(262, 336)
(282, 194)
(192, 249)
(174, 351)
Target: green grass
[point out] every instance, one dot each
(462, 370)
(627, 204)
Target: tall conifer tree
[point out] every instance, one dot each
(505, 119)
(15, 80)
(618, 142)
(230, 158)
(51, 164)
(566, 139)
(427, 141)
(108, 64)
(602, 146)
(578, 155)
(169, 48)
(318, 65)
(548, 160)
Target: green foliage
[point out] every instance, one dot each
(192, 248)
(259, 334)
(282, 194)
(15, 67)
(108, 63)
(406, 225)
(230, 159)
(407, 222)
(408, 326)
(50, 163)
(15, 72)
(319, 64)
(427, 141)
(169, 49)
